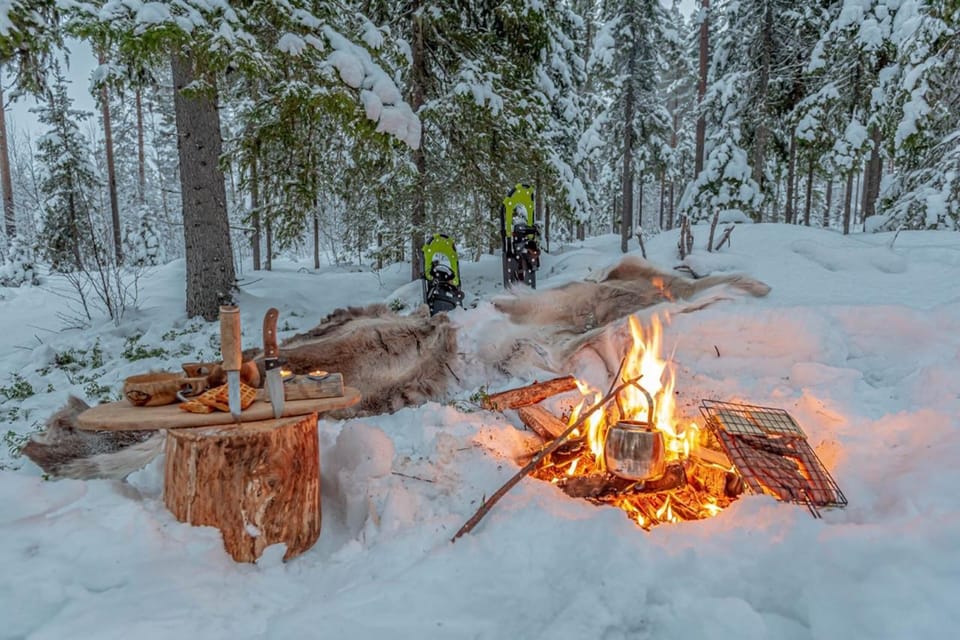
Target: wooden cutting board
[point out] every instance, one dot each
(123, 416)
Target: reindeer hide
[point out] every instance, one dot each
(67, 451)
(631, 285)
(395, 361)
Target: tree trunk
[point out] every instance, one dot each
(847, 197)
(206, 226)
(268, 263)
(809, 196)
(626, 211)
(760, 141)
(857, 200)
(663, 186)
(826, 208)
(872, 172)
(418, 97)
(258, 482)
(316, 242)
(702, 87)
(9, 218)
(111, 169)
(791, 172)
(671, 212)
(141, 152)
(546, 225)
(255, 205)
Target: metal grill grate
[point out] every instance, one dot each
(771, 453)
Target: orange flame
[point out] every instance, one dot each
(655, 404)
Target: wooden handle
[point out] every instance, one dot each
(230, 337)
(270, 349)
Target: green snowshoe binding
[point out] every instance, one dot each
(520, 237)
(441, 279)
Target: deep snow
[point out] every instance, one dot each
(859, 341)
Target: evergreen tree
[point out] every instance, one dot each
(69, 237)
(925, 191)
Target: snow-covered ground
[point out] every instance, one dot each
(860, 342)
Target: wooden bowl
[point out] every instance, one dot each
(152, 389)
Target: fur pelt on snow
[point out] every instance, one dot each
(394, 360)
(631, 285)
(67, 451)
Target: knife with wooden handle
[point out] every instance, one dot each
(271, 362)
(230, 351)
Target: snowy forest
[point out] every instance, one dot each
(350, 130)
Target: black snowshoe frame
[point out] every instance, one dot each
(520, 238)
(441, 282)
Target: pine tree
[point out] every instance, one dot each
(69, 237)
(925, 191)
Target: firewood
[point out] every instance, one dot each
(673, 478)
(541, 421)
(530, 394)
(714, 480)
(258, 482)
(535, 461)
(606, 485)
(595, 485)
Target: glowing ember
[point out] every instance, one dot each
(699, 489)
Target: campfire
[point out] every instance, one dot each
(685, 479)
(631, 448)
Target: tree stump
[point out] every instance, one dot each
(258, 482)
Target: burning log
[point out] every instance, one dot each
(542, 422)
(528, 395)
(599, 486)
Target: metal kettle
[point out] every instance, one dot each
(634, 450)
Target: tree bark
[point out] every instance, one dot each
(258, 482)
(141, 151)
(418, 97)
(316, 242)
(111, 169)
(826, 208)
(626, 199)
(702, 87)
(268, 263)
(872, 173)
(9, 217)
(791, 184)
(663, 187)
(760, 140)
(809, 195)
(546, 225)
(530, 394)
(206, 227)
(847, 196)
(255, 205)
(542, 422)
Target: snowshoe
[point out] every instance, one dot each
(520, 237)
(441, 281)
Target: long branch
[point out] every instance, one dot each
(535, 461)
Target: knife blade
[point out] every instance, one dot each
(230, 352)
(271, 362)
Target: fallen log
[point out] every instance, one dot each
(528, 395)
(542, 422)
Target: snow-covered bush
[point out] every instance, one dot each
(19, 268)
(724, 185)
